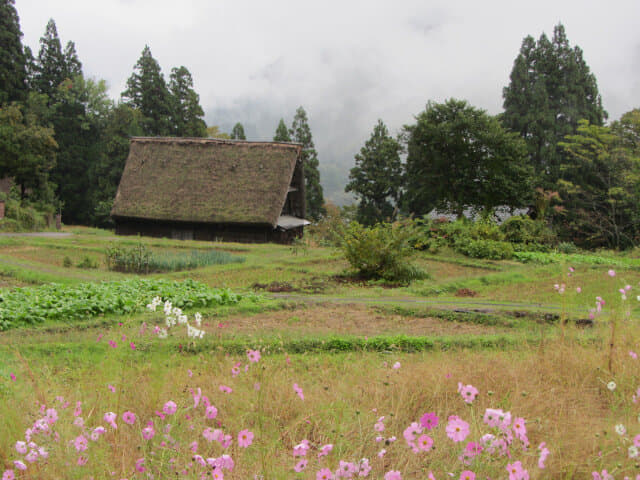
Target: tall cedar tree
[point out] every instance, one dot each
(282, 133)
(459, 157)
(301, 133)
(237, 133)
(550, 91)
(51, 65)
(148, 92)
(377, 177)
(12, 55)
(58, 75)
(186, 112)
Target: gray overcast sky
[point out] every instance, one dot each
(347, 62)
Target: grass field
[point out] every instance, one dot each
(355, 351)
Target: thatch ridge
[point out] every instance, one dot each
(206, 180)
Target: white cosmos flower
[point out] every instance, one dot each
(620, 430)
(611, 385)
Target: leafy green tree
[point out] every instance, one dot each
(377, 177)
(12, 55)
(214, 132)
(186, 112)
(237, 133)
(27, 148)
(148, 92)
(300, 132)
(600, 188)
(282, 133)
(459, 157)
(551, 89)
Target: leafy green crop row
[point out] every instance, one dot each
(547, 258)
(32, 305)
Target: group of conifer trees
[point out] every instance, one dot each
(64, 142)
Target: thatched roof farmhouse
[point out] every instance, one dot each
(210, 189)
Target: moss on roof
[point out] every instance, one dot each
(205, 180)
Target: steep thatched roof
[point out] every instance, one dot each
(205, 180)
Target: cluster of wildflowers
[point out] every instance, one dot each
(173, 316)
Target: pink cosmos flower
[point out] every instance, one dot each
(211, 412)
(516, 472)
(468, 392)
(301, 449)
(254, 356)
(457, 429)
(602, 476)
(132, 346)
(396, 366)
(8, 475)
(301, 465)
(225, 389)
(633, 354)
(612, 273)
(13, 377)
(429, 420)
(21, 447)
(217, 474)
(411, 432)
(148, 432)
(325, 450)
(364, 468)
(78, 410)
(324, 474)
(110, 418)
(544, 453)
(111, 388)
(346, 469)
(129, 418)
(235, 371)
(51, 416)
(424, 442)
(197, 395)
(382, 453)
(112, 344)
(20, 465)
(298, 391)
(578, 289)
(140, 465)
(170, 407)
(393, 475)
(95, 434)
(467, 475)
(32, 456)
(82, 461)
(519, 428)
(245, 438)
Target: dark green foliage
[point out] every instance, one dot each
(459, 157)
(148, 92)
(141, 259)
(12, 55)
(301, 133)
(599, 189)
(551, 88)
(50, 66)
(523, 229)
(377, 177)
(121, 123)
(491, 249)
(27, 148)
(24, 306)
(25, 216)
(381, 251)
(186, 112)
(282, 133)
(237, 133)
